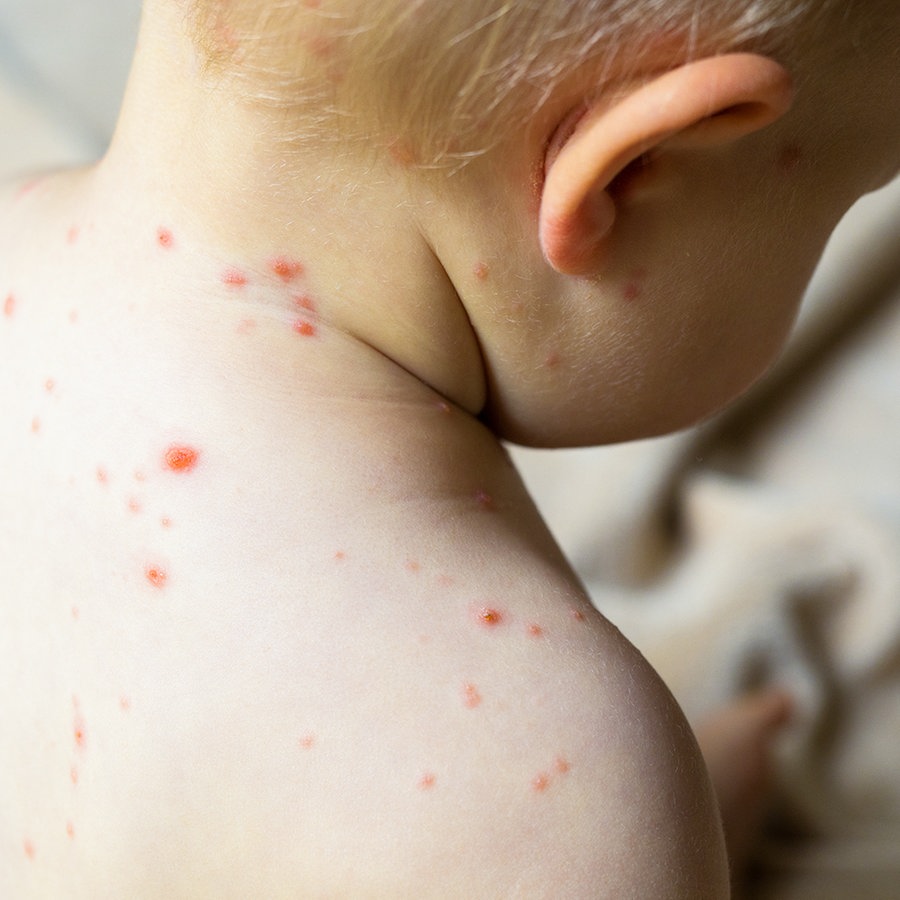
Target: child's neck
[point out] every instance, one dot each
(313, 243)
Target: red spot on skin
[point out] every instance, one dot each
(139, 476)
(164, 238)
(234, 278)
(125, 704)
(72, 235)
(28, 187)
(635, 286)
(181, 458)
(9, 306)
(102, 475)
(403, 153)
(427, 781)
(482, 271)
(134, 505)
(540, 782)
(29, 849)
(562, 765)
(413, 567)
(552, 361)
(287, 270)
(578, 615)
(35, 425)
(49, 385)
(73, 775)
(444, 407)
(307, 742)
(535, 630)
(70, 830)
(471, 696)
(489, 617)
(789, 158)
(166, 522)
(304, 301)
(484, 500)
(156, 576)
(304, 328)
(78, 732)
(340, 556)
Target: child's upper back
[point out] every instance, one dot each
(290, 627)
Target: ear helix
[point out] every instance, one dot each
(714, 100)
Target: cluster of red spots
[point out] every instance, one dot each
(471, 696)
(541, 782)
(181, 458)
(489, 617)
(305, 326)
(288, 270)
(165, 238)
(307, 742)
(234, 278)
(156, 576)
(9, 306)
(427, 781)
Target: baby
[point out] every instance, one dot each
(278, 618)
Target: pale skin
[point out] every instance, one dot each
(279, 618)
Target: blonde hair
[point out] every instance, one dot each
(442, 80)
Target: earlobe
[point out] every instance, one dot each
(711, 101)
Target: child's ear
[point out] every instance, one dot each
(714, 100)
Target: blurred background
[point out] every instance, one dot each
(62, 72)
